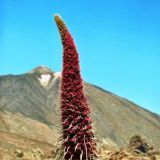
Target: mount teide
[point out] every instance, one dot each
(29, 110)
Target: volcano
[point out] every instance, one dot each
(30, 113)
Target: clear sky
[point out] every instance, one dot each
(118, 42)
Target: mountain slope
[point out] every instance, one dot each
(29, 107)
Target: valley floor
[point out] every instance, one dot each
(15, 147)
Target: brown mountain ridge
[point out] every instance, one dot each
(30, 113)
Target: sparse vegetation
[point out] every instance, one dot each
(106, 152)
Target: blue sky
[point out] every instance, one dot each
(118, 42)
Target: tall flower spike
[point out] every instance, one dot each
(78, 137)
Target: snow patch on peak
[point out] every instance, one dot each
(44, 79)
(57, 74)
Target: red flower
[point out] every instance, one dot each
(76, 122)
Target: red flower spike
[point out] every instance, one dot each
(74, 101)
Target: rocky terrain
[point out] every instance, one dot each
(30, 119)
